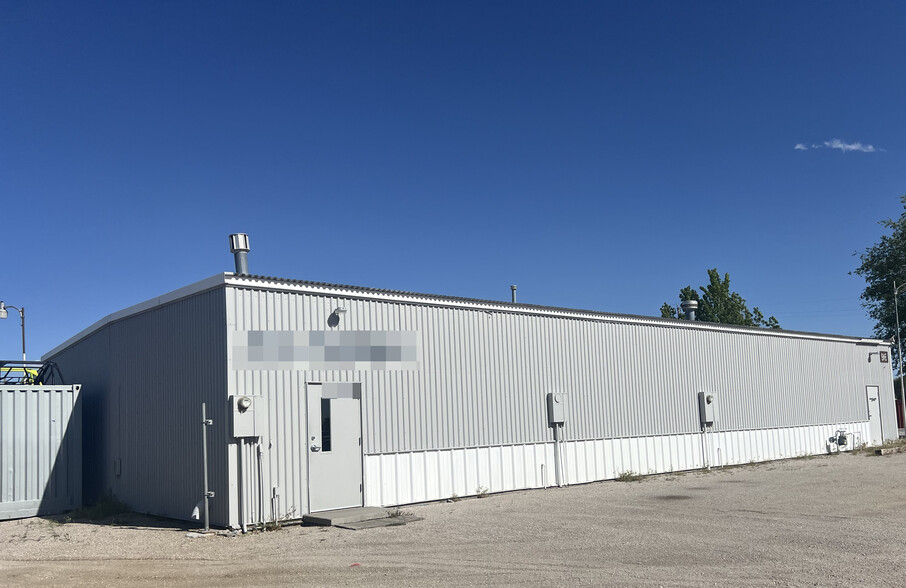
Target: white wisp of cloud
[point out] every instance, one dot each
(843, 146)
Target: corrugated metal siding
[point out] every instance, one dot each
(482, 382)
(40, 450)
(484, 375)
(401, 478)
(144, 379)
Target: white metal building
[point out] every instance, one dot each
(325, 396)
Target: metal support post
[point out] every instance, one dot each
(21, 311)
(896, 308)
(205, 423)
(22, 316)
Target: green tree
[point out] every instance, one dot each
(718, 304)
(884, 264)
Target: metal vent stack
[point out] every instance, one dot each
(239, 247)
(689, 307)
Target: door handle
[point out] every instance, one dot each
(316, 448)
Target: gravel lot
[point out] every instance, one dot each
(822, 521)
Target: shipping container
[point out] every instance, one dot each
(40, 450)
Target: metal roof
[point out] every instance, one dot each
(403, 296)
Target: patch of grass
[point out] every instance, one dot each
(454, 497)
(107, 506)
(859, 448)
(870, 449)
(805, 456)
(278, 524)
(56, 528)
(481, 491)
(399, 513)
(629, 476)
(892, 443)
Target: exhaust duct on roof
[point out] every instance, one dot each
(239, 247)
(689, 307)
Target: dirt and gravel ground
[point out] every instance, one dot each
(823, 521)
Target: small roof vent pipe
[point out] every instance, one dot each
(239, 247)
(689, 307)
(513, 292)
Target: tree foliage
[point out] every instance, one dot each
(884, 264)
(718, 304)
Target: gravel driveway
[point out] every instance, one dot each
(825, 521)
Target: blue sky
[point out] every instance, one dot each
(600, 155)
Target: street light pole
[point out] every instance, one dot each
(896, 310)
(4, 314)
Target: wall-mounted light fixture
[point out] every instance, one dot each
(334, 319)
(882, 355)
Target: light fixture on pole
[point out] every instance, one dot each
(896, 310)
(4, 314)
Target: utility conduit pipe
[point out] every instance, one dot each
(563, 456)
(243, 499)
(205, 423)
(705, 452)
(558, 474)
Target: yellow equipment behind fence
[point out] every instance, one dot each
(30, 373)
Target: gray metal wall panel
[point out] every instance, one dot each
(145, 377)
(484, 374)
(40, 450)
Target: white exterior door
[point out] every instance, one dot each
(334, 446)
(874, 415)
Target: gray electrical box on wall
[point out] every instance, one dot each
(249, 416)
(556, 408)
(706, 407)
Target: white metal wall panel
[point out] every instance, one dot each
(401, 478)
(40, 450)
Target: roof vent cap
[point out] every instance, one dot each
(239, 247)
(689, 307)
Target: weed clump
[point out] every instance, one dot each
(107, 506)
(629, 476)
